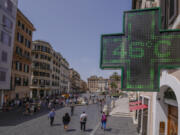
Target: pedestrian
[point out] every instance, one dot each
(50, 105)
(51, 116)
(83, 120)
(72, 109)
(103, 121)
(66, 119)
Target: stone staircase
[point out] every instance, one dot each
(121, 108)
(122, 114)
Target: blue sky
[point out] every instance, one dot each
(74, 27)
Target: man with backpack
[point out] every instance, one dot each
(83, 119)
(103, 121)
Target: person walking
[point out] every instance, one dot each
(66, 119)
(51, 116)
(72, 109)
(83, 120)
(103, 121)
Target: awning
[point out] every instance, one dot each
(138, 107)
(135, 103)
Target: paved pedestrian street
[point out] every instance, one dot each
(41, 125)
(118, 126)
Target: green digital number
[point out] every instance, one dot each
(136, 52)
(160, 54)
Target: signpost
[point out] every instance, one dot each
(141, 50)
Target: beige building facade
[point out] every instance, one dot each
(41, 75)
(50, 74)
(21, 62)
(64, 78)
(75, 81)
(97, 84)
(93, 83)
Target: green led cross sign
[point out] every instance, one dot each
(141, 50)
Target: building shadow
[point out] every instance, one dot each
(108, 129)
(16, 116)
(70, 130)
(89, 130)
(57, 124)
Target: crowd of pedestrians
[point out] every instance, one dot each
(83, 118)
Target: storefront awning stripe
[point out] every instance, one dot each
(138, 107)
(135, 103)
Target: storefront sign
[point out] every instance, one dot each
(141, 50)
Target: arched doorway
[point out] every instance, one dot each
(171, 101)
(166, 116)
(167, 111)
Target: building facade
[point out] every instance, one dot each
(93, 83)
(50, 71)
(97, 84)
(41, 75)
(8, 9)
(83, 86)
(21, 62)
(75, 81)
(55, 81)
(64, 78)
(102, 84)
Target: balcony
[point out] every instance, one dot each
(23, 57)
(41, 69)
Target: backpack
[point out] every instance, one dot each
(103, 117)
(84, 119)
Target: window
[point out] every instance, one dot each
(5, 38)
(8, 5)
(42, 82)
(22, 26)
(42, 56)
(27, 30)
(4, 56)
(36, 55)
(30, 33)
(38, 47)
(26, 42)
(171, 10)
(26, 68)
(28, 54)
(35, 81)
(18, 66)
(17, 81)
(20, 38)
(19, 51)
(25, 82)
(19, 23)
(29, 44)
(7, 22)
(2, 76)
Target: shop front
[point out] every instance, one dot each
(167, 105)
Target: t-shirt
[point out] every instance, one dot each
(51, 114)
(83, 117)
